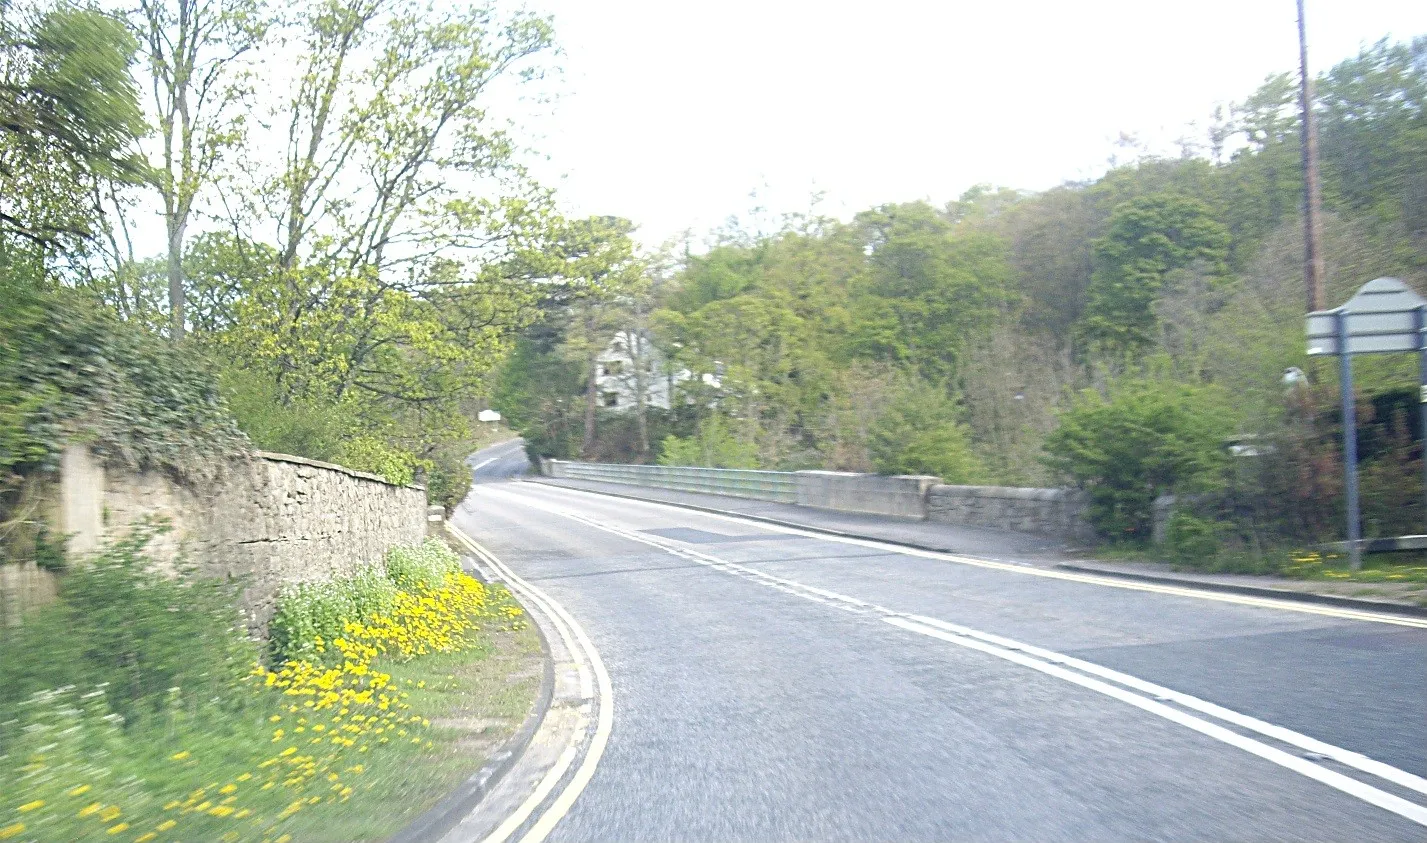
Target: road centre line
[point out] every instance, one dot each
(1286, 605)
(1064, 667)
(566, 625)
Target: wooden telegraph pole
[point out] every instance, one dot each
(1313, 271)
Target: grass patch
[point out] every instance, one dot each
(200, 742)
(1397, 567)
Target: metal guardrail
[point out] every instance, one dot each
(780, 486)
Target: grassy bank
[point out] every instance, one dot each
(136, 710)
(1290, 563)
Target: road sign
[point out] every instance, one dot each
(1382, 317)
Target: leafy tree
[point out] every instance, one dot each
(1146, 240)
(192, 49)
(1147, 439)
(69, 116)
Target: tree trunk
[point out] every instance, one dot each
(591, 390)
(176, 225)
(641, 409)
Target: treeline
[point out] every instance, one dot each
(348, 239)
(1122, 334)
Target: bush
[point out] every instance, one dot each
(310, 616)
(1192, 540)
(920, 433)
(122, 625)
(712, 446)
(1149, 438)
(448, 480)
(424, 566)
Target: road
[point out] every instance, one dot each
(776, 685)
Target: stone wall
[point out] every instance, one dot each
(267, 521)
(903, 495)
(1049, 512)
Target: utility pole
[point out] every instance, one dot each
(1313, 270)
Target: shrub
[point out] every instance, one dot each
(712, 446)
(424, 566)
(122, 625)
(1148, 438)
(1193, 540)
(310, 616)
(921, 433)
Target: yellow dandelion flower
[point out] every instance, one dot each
(11, 830)
(179, 756)
(110, 814)
(145, 838)
(79, 791)
(119, 828)
(165, 825)
(31, 806)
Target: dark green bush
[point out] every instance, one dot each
(1147, 439)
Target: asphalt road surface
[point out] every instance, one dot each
(771, 685)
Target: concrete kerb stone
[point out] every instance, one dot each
(445, 815)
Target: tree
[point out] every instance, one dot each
(399, 207)
(192, 48)
(69, 117)
(1147, 239)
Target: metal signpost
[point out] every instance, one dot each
(1383, 317)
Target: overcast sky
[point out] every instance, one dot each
(671, 111)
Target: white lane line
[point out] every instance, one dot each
(483, 463)
(1024, 569)
(1057, 665)
(1302, 766)
(604, 723)
(1348, 758)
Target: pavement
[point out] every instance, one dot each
(771, 683)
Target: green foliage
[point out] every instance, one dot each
(368, 453)
(1147, 239)
(310, 616)
(1193, 540)
(71, 113)
(921, 433)
(713, 445)
(1147, 439)
(82, 375)
(140, 634)
(423, 566)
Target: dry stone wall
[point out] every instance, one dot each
(1048, 512)
(266, 522)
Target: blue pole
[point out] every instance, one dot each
(1350, 442)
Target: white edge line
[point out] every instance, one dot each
(1336, 780)
(1020, 568)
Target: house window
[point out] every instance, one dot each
(613, 367)
(611, 399)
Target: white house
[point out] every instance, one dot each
(617, 374)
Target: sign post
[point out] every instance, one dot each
(1384, 316)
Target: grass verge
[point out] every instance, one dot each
(133, 709)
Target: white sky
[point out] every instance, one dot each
(671, 112)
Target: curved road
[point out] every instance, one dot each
(776, 685)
